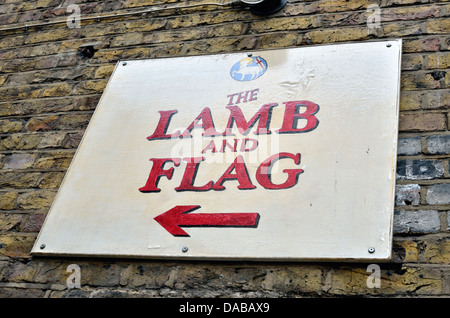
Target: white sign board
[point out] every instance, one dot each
(271, 155)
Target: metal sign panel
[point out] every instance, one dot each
(276, 155)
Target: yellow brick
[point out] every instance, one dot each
(55, 90)
(412, 62)
(279, 40)
(55, 160)
(8, 221)
(52, 35)
(439, 60)
(438, 26)
(16, 245)
(36, 200)
(337, 35)
(7, 200)
(285, 24)
(437, 252)
(343, 5)
(410, 100)
(89, 87)
(104, 71)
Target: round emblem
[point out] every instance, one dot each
(249, 68)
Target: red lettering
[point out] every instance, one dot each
(187, 183)
(163, 124)
(157, 172)
(207, 125)
(264, 171)
(241, 176)
(291, 117)
(244, 143)
(211, 146)
(243, 96)
(263, 115)
(253, 94)
(226, 144)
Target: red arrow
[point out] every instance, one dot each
(173, 219)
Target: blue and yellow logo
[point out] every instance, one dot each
(249, 68)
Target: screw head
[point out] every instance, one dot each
(249, 54)
(42, 246)
(184, 249)
(389, 45)
(124, 63)
(371, 250)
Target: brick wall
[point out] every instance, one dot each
(49, 90)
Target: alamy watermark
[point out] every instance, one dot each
(374, 279)
(374, 19)
(73, 20)
(74, 279)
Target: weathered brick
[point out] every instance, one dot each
(410, 100)
(438, 26)
(279, 40)
(38, 106)
(33, 222)
(10, 125)
(36, 200)
(439, 60)
(422, 122)
(73, 121)
(22, 272)
(419, 80)
(16, 245)
(439, 194)
(436, 99)
(419, 169)
(400, 29)
(127, 39)
(9, 221)
(56, 90)
(52, 35)
(100, 274)
(19, 161)
(20, 92)
(54, 160)
(336, 35)
(435, 251)
(438, 145)
(425, 44)
(8, 200)
(412, 62)
(405, 251)
(448, 221)
(51, 180)
(408, 194)
(407, 280)
(342, 5)
(41, 123)
(409, 146)
(104, 71)
(410, 13)
(52, 140)
(284, 24)
(416, 222)
(340, 19)
(90, 87)
(19, 180)
(45, 62)
(53, 272)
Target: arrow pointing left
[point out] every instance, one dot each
(179, 216)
